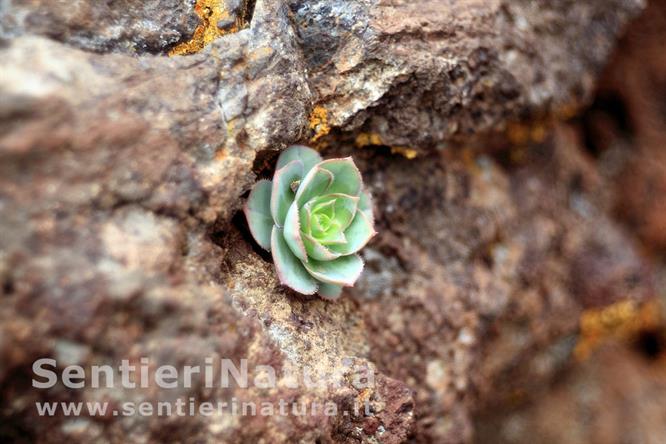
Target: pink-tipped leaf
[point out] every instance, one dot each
(308, 156)
(314, 184)
(357, 234)
(346, 176)
(292, 233)
(258, 213)
(317, 251)
(282, 194)
(344, 270)
(290, 269)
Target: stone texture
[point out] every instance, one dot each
(122, 171)
(614, 391)
(419, 73)
(628, 385)
(628, 136)
(122, 26)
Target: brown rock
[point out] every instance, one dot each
(122, 172)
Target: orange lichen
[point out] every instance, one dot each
(408, 153)
(319, 123)
(367, 139)
(210, 12)
(620, 321)
(522, 134)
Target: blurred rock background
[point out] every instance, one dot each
(515, 150)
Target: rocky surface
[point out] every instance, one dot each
(122, 26)
(614, 391)
(629, 386)
(628, 137)
(131, 131)
(424, 72)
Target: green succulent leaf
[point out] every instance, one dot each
(322, 219)
(314, 217)
(346, 177)
(333, 238)
(308, 156)
(315, 183)
(323, 206)
(317, 251)
(309, 222)
(282, 195)
(258, 213)
(304, 216)
(292, 233)
(365, 205)
(338, 211)
(344, 270)
(329, 291)
(358, 234)
(290, 269)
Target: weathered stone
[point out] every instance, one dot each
(418, 73)
(628, 134)
(617, 378)
(122, 172)
(131, 26)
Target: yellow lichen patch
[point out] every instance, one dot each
(367, 139)
(210, 12)
(408, 153)
(363, 396)
(620, 321)
(522, 134)
(319, 123)
(373, 139)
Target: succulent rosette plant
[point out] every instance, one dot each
(314, 216)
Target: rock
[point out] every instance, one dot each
(628, 136)
(615, 378)
(131, 132)
(419, 74)
(129, 26)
